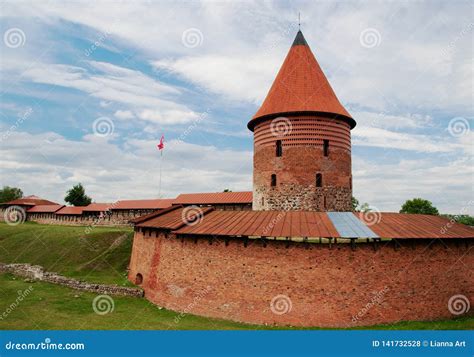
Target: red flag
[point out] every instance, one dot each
(161, 145)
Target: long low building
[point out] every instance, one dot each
(125, 210)
(232, 201)
(43, 213)
(121, 212)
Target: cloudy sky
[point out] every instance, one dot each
(89, 87)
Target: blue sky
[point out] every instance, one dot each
(88, 88)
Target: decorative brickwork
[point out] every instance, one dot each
(302, 157)
(318, 284)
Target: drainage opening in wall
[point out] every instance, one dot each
(138, 279)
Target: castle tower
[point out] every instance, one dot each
(302, 140)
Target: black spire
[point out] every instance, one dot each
(299, 39)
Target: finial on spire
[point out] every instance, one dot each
(299, 21)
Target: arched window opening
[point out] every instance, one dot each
(274, 180)
(326, 148)
(279, 149)
(319, 180)
(138, 279)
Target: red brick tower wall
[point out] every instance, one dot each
(301, 159)
(312, 169)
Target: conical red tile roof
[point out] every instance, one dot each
(300, 87)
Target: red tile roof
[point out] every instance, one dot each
(210, 198)
(400, 226)
(300, 86)
(98, 207)
(45, 208)
(263, 224)
(74, 210)
(143, 204)
(171, 218)
(29, 201)
(296, 224)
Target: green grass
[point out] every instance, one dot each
(101, 256)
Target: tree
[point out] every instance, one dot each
(227, 190)
(76, 196)
(357, 207)
(355, 203)
(460, 218)
(8, 193)
(420, 206)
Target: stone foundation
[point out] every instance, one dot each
(290, 197)
(37, 272)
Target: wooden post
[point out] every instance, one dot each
(305, 241)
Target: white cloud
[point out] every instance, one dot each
(124, 114)
(110, 173)
(389, 121)
(240, 78)
(168, 117)
(155, 101)
(447, 183)
(383, 138)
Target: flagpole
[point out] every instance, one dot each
(161, 165)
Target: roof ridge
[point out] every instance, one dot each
(154, 214)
